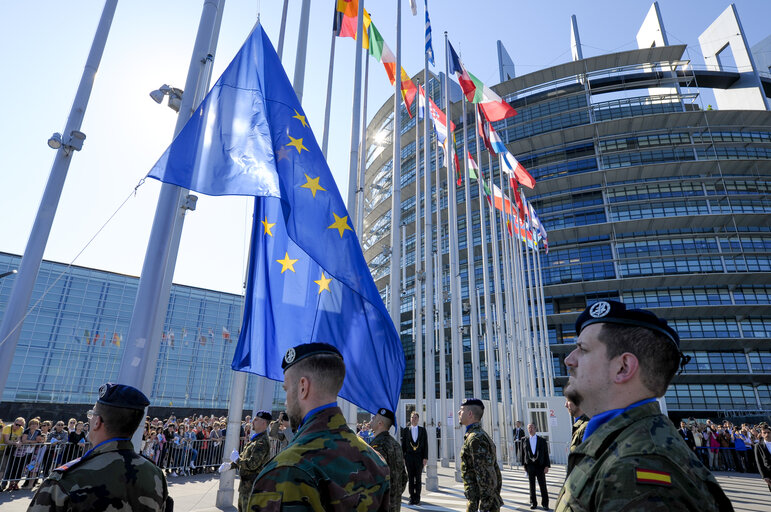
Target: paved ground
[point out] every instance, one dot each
(748, 493)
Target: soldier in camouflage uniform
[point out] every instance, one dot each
(391, 451)
(253, 458)
(111, 475)
(631, 456)
(326, 467)
(579, 427)
(478, 465)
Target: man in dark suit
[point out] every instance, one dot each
(535, 458)
(415, 448)
(687, 436)
(763, 454)
(519, 435)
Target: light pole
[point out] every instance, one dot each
(6, 274)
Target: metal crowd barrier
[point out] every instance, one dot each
(27, 464)
(727, 459)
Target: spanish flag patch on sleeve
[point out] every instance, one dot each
(649, 476)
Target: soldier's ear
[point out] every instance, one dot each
(625, 367)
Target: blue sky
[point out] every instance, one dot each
(46, 44)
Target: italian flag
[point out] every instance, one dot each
(493, 106)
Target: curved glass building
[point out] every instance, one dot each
(651, 191)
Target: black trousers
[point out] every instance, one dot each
(534, 472)
(414, 474)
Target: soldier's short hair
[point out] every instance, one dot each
(476, 410)
(120, 421)
(658, 357)
(326, 370)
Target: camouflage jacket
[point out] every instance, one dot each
(251, 461)
(479, 469)
(638, 461)
(579, 427)
(111, 477)
(326, 467)
(391, 451)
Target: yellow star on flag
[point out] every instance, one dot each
(313, 185)
(283, 153)
(323, 283)
(297, 144)
(287, 263)
(267, 225)
(301, 118)
(340, 224)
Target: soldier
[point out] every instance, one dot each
(631, 456)
(579, 427)
(111, 475)
(326, 467)
(391, 451)
(253, 458)
(478, 465)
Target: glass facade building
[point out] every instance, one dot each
(70, 342)
(648, 196)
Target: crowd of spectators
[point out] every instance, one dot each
(29, 450)
(723, 446)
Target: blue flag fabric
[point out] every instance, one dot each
(308, 280)
(429, 47)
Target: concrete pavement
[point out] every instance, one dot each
(747, 492)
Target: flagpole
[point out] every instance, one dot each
(432, 480)
(282, 30)
(458, 375)
(142, 342)
(362, 154)
(476, 380)
(355, 115)
(439, 264)
(490, 354)
(501, 336)
(302, 46)
(532, 360)
(21, 293)
(396, 185)
(328, 103)
(418, 295)
(544, 331)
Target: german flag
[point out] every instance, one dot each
(649, 476)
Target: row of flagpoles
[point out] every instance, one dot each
(514, 338)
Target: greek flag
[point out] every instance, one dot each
(429, 48)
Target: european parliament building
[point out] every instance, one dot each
(649, 195)
(70, 343)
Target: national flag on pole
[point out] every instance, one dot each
(225, 334)
(414, 7)
(545, 238)
(429, 46)
(500, 201)
(346, 21)
(493, 106)
(517, 199)
(495, 141)
(520, 173)
(87, 335)
(472, 166)
(116, 339)
(308, 280)
(381, 52)
(447, 152)
(438, 118)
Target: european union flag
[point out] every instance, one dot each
(308, 280)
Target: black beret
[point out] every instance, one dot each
(613, 312)
(473, 401)
(265, 415)
(387, 414)
(300, 352)
(120, 395)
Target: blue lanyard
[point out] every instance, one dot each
(469, 426)
(255, 436)
(314, 411)
(103, 442)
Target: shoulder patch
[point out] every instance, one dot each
(67, 465)
(649, 476)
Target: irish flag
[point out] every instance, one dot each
(493, 106)
(380, 51)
